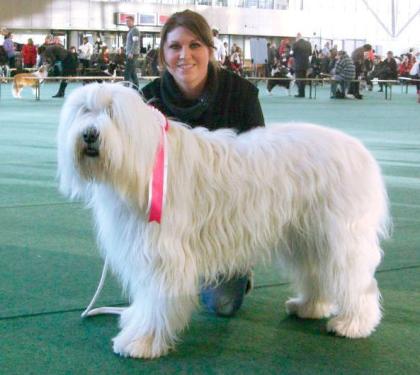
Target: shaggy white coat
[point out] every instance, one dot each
(309, 196)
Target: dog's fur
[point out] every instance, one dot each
(34, 79)
(311, 197)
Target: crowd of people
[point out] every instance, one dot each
(86, 59)
(346, 72)
(296, 60)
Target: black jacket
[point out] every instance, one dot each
(55, 53)
(229, 101)
(302, 49)
(390, 69)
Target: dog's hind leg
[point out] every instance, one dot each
(360, 315)
(308, 280)
(16, 90)
(357, 294)
(151, 324)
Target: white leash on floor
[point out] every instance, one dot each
(101, 310)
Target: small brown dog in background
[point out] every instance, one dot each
(22, 80)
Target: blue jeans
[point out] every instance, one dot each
(130, 73)
(226, 297)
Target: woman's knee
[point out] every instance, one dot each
(226, 298)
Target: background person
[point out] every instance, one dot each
(302, 49)
(54, 54)
(195, 90)
(132, 52)
(343, 73)
(103, 58)
(219, 48)
(415, 73)
(389, 69)
(405, 67)
(85, 53)
(359, 56)
(9, 48)
(29, 54)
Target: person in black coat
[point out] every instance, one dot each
(359, 56)
(389, 69)
(302, 49)
(67, 61)
(195, 90)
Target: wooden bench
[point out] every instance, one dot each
(71, 79)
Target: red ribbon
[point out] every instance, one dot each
(158, 180)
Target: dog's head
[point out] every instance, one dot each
(107, 134)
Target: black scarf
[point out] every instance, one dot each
(184, 109)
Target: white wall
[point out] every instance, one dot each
(329, 19)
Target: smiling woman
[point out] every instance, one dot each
(195, 90)
(187, 60)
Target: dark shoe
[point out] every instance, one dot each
(299, 96)
(58, 95)
(225, 298)
(380, 90)
(358, 97)
(250, 283)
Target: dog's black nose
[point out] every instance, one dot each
(90, 135)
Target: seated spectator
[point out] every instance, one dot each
(343, 73)
(324, 62)
(389, 69)
(314, 70)
(326, 49)
(103, 58)
(332, 61)
(405, 66)
(284, 47)
(236, 61)
(415, 73)
(119, 58)
(152, 62)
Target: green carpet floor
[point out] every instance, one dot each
(49, 264)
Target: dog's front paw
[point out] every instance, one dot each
(142, 347)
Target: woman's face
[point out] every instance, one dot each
(187, 59)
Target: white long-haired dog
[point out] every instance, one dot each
(308, 196)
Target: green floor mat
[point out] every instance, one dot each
(50, 264)
(261, 339)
